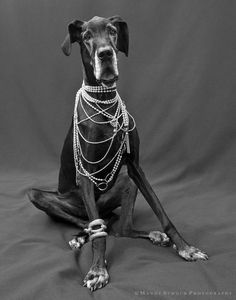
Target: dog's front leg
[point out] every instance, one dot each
(97, 276)
(186, 251)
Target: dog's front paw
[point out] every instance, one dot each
(191, 253)
(96, 278)
(159, 238)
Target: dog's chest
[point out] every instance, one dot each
(101, 135)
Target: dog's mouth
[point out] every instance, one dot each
(108, 82)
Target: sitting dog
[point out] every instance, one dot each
(100, 168)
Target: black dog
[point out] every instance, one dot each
(100, 168)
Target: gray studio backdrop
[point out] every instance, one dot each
(178, 83)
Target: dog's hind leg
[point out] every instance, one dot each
(64, 207)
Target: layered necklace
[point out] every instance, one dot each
(121, 114)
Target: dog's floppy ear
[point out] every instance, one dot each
(123, 34)
(74, 35)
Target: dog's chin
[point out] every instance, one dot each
(108, 82)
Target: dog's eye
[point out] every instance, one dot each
(112, 31)
(87, 36)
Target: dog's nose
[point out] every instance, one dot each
(105, 53)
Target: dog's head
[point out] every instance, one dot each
(100, 40)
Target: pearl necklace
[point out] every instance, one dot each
(113, 120)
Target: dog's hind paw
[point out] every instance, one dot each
(96, 278)
(191, 253)
(77, 242)
(159, 238)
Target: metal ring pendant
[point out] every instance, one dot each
(102, 186)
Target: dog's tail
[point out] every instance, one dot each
(63, 207)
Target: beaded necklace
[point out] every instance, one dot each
(113, 120)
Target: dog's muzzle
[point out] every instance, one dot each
(105, 53)
(105, 66)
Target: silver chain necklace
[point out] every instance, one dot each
(121, 112)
